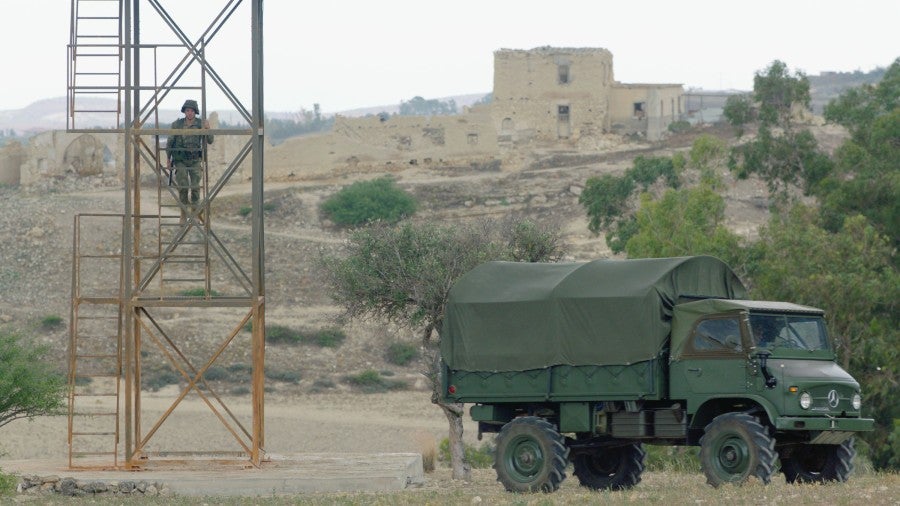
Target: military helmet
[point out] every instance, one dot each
(191, 104)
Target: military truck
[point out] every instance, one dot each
(587, 362)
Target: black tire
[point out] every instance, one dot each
(734, 447)
(531, 456)
(613, 468)
(818, 463)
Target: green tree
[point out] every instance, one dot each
(366, 201)
(683, 222)
(866, 179)
(418, 106)
(781, 154)
(708, 155)
(404, 274)
(606, 198)
(852, 275)
(29, 386)
(738, 111)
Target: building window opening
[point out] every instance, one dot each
(563, 112)
(563, 71)
(507, 125)
(472, 139)
(639, 110)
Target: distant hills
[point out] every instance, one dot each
(50, 114)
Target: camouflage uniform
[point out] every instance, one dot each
(186, 154)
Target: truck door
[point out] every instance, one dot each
(713, 361)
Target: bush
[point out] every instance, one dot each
(329, 338)
(240, 368)
(245, 211)
(480, 457)
(284, 376)
(216, 373)
(198, 292)
(279, 334)
(51, 322)
(240, 390)
(367, 201)
(29, 385)
(371, 381)
(679, 126)
(401, 353)
(8, 484)
(162, 378)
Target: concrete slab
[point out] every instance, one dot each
(278, 475)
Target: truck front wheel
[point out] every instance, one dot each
(818, 463)
(531, 456)
(613, 468)
(734, 447)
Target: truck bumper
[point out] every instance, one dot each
(824, 424)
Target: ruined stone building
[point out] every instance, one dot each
(543, 98)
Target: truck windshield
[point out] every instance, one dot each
(788, 331)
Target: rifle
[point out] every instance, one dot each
(171, 174)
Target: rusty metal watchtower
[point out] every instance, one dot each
(166, 289)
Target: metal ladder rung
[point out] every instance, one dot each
(94, 414)
(97, 17)
(95, 395)
(96, 110)
(91, 454)
(93, 433)
(96, 356)
(185, 280)
(97, 318)
(101, 256)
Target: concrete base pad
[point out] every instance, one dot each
(277, 475)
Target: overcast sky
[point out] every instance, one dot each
(346, 54)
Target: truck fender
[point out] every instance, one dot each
(714, 407)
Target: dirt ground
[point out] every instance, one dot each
(319, 410)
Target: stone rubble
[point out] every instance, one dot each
(44, 485)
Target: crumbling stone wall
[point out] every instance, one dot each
(645, 108)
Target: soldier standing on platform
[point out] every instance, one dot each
(185, 155)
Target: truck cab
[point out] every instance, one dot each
(773, 360)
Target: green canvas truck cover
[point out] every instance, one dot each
(511, 316)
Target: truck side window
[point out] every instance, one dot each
(719, 334)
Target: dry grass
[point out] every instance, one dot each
(668, 488)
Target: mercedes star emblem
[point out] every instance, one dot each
(833, 398)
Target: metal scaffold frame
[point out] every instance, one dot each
(144, 286)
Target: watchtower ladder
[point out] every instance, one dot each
(95, 342)
(95, 63)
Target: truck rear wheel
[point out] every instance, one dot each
(734, 447)
(531, 456)
(613, 468)
(819, 463)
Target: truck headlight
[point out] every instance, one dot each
(856, 401)
(805, 400)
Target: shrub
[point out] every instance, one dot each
(401, 353)
(282, 375)
(162, 378)
(198, 292)
(245, 211)
(677, 127)
(371, 381)
(322, 384)
(240, 390)
(8, 484)
(329, 338)
(280, 334)
(367, 201)
(240, 368)
(216, 373)
(480, 457)
(51, 322)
